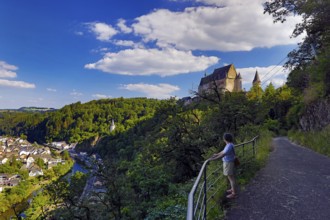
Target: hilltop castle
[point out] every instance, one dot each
(224, 79)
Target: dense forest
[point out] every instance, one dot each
(158, 146)
(77, 122)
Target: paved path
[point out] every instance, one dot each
(295, 184)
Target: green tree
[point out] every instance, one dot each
(255, 92)
(40, 162)
(315, 23)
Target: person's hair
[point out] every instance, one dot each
(228, 137)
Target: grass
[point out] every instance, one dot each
(250, 164)
(315, 140)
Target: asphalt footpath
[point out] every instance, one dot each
(294, 184)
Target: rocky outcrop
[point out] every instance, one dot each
(316, 115)
(88, 145)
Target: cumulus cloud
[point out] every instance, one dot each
(16, 84)
(218, 25)
(123, 27)
(275, 74)
(7, 70)
(103, 31)
(100, 96)
(159, 91)
(166, 62)
(235, 26)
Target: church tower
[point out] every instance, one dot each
(256, 80)
(112, 126)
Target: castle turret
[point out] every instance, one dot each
(238, 83)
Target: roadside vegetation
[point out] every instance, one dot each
(315, 140)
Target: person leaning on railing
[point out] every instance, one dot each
(228, 157)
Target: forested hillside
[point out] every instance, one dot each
(77, 122)
(157, 147)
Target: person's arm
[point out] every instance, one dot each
(217, 156)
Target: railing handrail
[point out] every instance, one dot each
(190, 211)
(247, 142)
(190, 208)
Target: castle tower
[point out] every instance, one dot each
(112, 126)
(256, 80)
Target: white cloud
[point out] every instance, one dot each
(51, 90)
(6, 70)
(103, 31)
(16, 84)
(277, 82)
(123, 27)
(227, 2)
(160, 91)
(76, 94)
(100, 96)
(126, 43)
(79, 33)
(138, 61)
(102, 50)
(275, 74)
(236, 26)
(35, 100)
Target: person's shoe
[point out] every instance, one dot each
(229, 191)
(231, 196)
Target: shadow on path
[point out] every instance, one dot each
(295, 184)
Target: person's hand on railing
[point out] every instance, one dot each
(216, 156)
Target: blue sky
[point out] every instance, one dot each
(56, 52)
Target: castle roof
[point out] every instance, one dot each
(218, 74)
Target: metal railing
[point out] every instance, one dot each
(202, 198)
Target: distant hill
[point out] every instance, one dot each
(29, 109)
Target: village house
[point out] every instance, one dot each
(29, 161)
(44, 150)
(35, 171)
(23, 151)
(3, 139)
(9, 180)
(3, 178)
(59, 145)
(27, 150)
(2, 148)
(3, 160)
